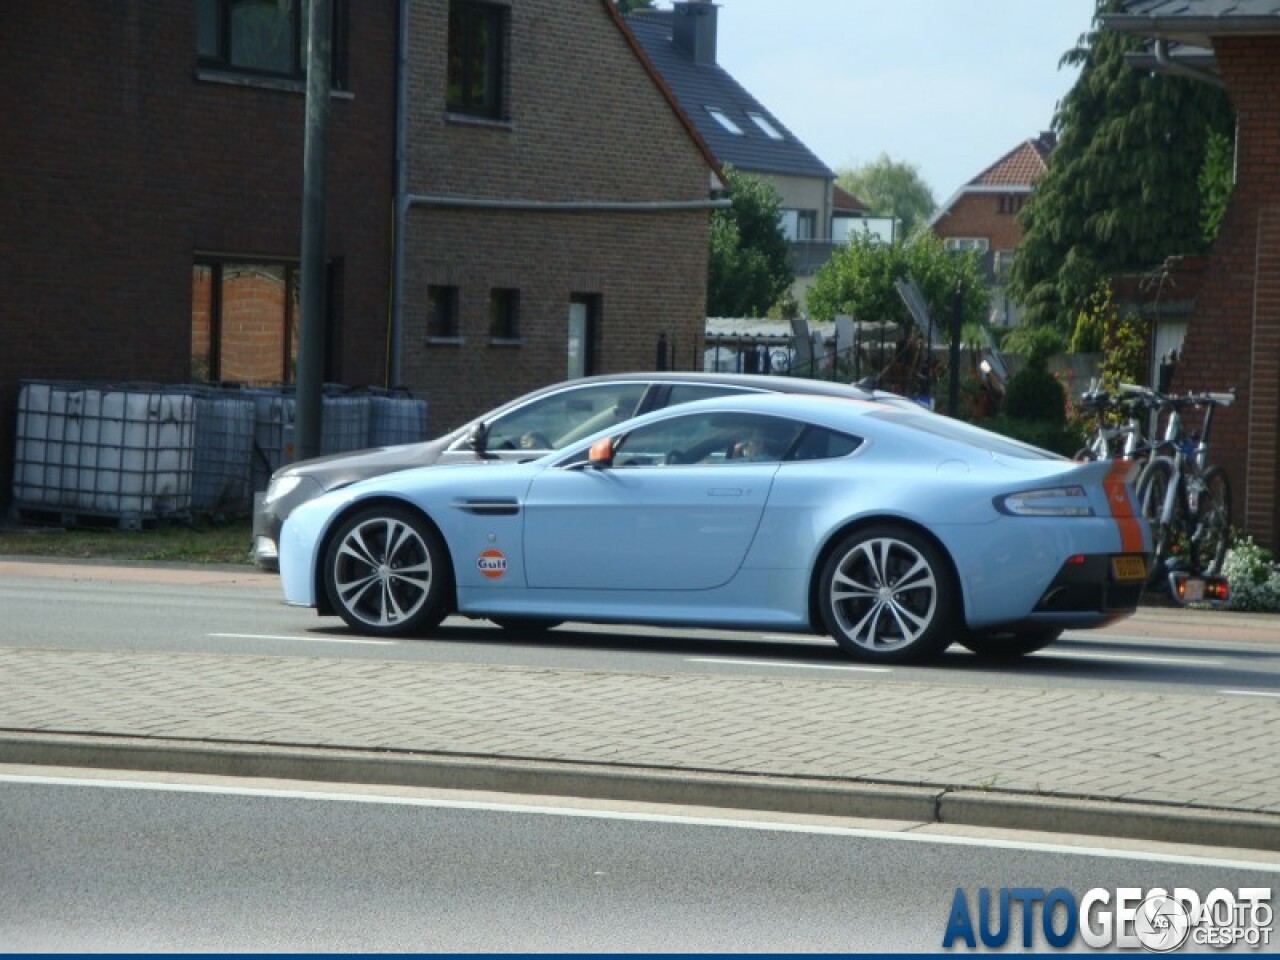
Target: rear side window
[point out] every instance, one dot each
(818, 443)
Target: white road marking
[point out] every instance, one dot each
(793, 666)
(598, 814)
(1251, 693)
(1133, 658)
(265, 636)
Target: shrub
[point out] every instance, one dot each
(1035, 394)
(1254, 578)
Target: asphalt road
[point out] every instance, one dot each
(194, 865)
(248, 618)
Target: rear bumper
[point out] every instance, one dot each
(1092, 584)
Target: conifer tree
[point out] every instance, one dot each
(1121, 192)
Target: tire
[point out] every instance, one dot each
(1213, 522)
(1152, 487)
(1009, 646)
(1085, 455)
(526, 624)
(387, 573)
(887, 595)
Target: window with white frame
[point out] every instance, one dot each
(769, 130)
(965, 244)
(723, 119)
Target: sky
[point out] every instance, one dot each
(948, 86)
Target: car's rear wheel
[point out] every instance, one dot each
(888, 596)
(386, 572)
(1009, 646)
(526, 624)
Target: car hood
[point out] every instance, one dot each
(340, 469)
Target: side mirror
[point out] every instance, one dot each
(601, 455)
(478, 441)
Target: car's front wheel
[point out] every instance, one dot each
(386, 572)
(887, 595)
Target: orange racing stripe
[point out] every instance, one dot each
(1122, 507)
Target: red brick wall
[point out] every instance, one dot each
(982, 215)
(586, 124)
(1234, 336)
(120, 165)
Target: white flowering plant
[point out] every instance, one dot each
(1253, 576)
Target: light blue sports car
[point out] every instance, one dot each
(895, 531)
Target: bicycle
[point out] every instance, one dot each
(1127, 440)
(1187, 501)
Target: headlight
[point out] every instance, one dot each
(1049, 502)
(281, 487)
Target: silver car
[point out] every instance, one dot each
(527, 427)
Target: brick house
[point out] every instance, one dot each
(555, 215)
(982, 215)
(151, 193)
(151, 197)
(1233, 331)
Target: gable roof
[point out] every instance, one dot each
(845, 203)
(666, 91)
(699, 86)
(1022, 166)
(1015, 172)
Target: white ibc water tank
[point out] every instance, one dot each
(224, 451)
(273, 415)
(344, 424)
(396, 420)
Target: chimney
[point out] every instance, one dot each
(694, 30)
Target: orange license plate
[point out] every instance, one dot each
(1129, 568)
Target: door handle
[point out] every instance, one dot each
(725, 492)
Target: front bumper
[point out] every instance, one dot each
(269, 515)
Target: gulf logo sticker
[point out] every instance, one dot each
(492, 563)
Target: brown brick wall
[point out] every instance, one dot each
(548, 257)
(120, 165)
(586, 124)
(1234, 336)
(980, 215)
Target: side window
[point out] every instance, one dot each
(551, 422)
(442, 313)
(266, 37)
(821, 444)
(477, 67)
(708, 439)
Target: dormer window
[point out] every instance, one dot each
(770, 131)
(722, 118)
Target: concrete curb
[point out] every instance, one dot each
(869, 800)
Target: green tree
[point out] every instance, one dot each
(1217, 178)
(859, 280)
(749, 259)
(890, 189)
(1121, 193)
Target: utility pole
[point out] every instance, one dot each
(953, 382)
(311, 329)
